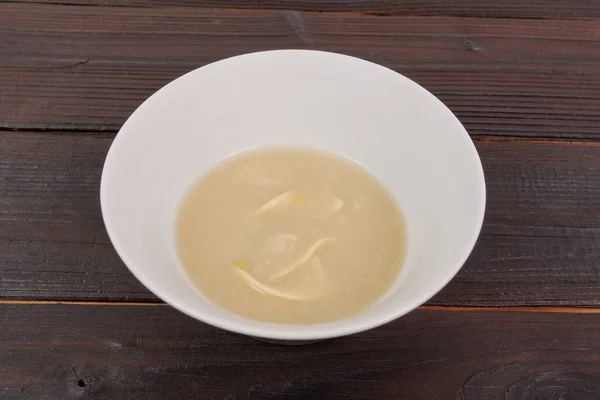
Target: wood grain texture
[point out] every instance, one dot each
(460, 8)
(535, 232)
(133, 353)
(540, 244)
(87, 68)
(52, 239)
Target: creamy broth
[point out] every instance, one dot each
(290, 236)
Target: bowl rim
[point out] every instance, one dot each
(299, 332)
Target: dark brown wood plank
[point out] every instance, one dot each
(541, 233)
(540, 244)
(52, 238)
(460, 8)
(489, 103)
(88, 68)
(127, 352)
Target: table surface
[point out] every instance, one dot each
(520, 321)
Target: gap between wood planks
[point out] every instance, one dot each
(110, 134)
(383, 12)
(518, 139)
(377, 13)
(557, 309)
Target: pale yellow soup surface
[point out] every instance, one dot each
(289, 235)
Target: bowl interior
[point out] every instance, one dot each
(369, 113)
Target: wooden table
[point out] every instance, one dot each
(520, 321)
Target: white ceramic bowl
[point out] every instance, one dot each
(369, 113)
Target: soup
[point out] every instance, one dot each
(290, 236)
